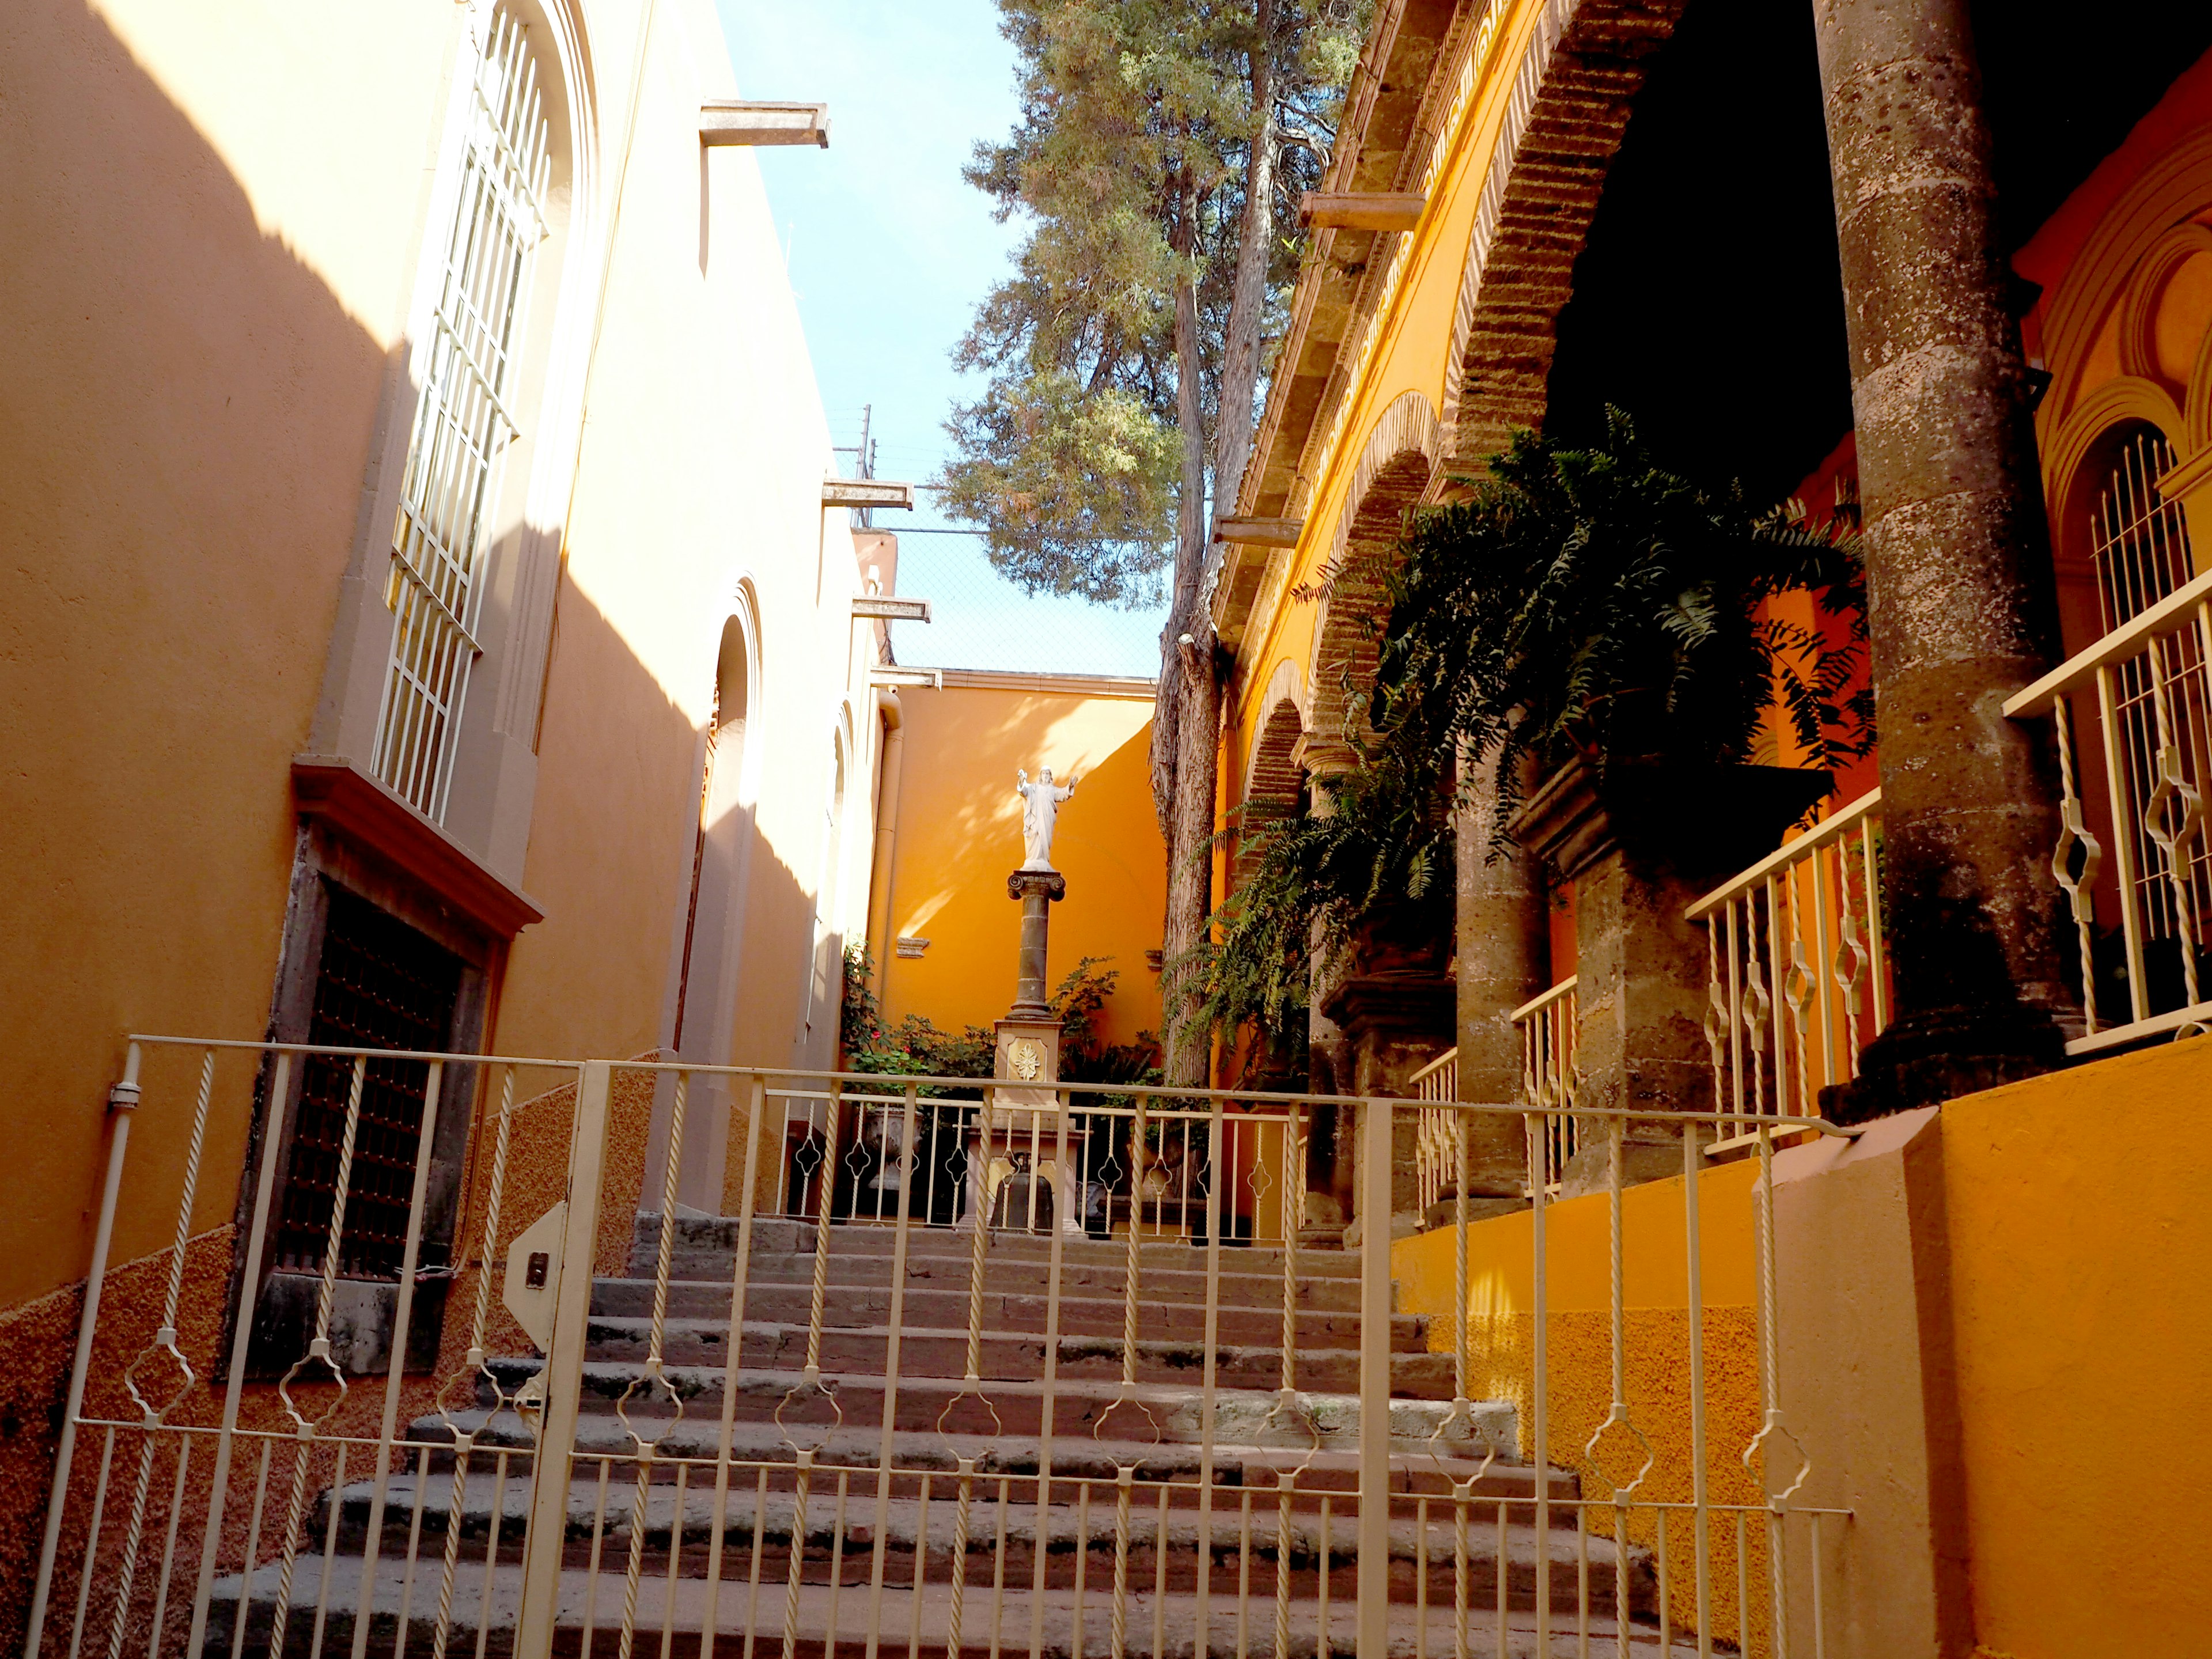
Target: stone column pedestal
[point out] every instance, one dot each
(1640, 841)
(1394, 1024)
(1027, 1053)
(1036, 890)
(1504, 959)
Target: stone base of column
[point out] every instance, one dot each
(1924, 1060)
(1394, 1024)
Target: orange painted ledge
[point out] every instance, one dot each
(368, 812)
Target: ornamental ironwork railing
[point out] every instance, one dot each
(2135, 755)
(633, 1424)
(1796, 966)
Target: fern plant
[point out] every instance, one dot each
(1587, 601)
(1378, 836)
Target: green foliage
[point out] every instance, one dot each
(1128, 164)
(916, 1047)
(1587, 601)
(1085, 1055)
(1379, 838)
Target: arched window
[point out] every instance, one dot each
(825, 963)
(465, 420)
(718, 785)
(2138, 540)
(2139, 546)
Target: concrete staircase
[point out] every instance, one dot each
(938, 1419)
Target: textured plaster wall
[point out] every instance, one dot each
(1413, 339)
(960, 834)
(38, 1338)
(1501, 1283)
(186, 404)
(213, 213)
(2081, 1303)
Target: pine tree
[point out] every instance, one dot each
(1160, 144)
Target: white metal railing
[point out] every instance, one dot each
(1436, 1084)
(793, 1427)
(1796, 966)
(2131, 856)
(464, 421)
(1549, 1080)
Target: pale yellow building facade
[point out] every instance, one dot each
(422, 618)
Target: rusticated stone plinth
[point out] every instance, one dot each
(1640, 841)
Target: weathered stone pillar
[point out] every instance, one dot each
(1638, 858)
(1037, 890)
(1959, 582)
(1504, 959)
(1395, 1023)
(1332, 1135)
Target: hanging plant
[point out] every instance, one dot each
(1588, 602)
(1378, 836)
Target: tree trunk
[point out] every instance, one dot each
(1240, 353)
(1187, 725)
(1189, 681)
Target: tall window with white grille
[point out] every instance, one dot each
(463, 422)
(2139, 542)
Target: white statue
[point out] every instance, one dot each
(1041, 803)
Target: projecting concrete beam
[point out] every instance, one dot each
(888, 609)
(743, 121)
(1259, 533)
(932, 678)
(865, 492)
(1360, 210)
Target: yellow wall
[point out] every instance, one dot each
(1501, 1301)
(215, 213)
(960, 835)
(2080, 1287)
(1410, 346)
(2082, 1302)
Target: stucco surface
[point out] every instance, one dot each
(38, 1339)
(2081, 1263)
(1501, 1286)
(959, 834)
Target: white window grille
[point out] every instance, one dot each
(463, 422)
(2139, 542)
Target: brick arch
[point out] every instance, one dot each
(1580, 74)
(1276, 777)
(1393, 473)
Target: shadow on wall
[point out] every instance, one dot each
(959, 836)
(186, 412)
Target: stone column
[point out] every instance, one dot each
(1329, 1068)
(1037, 890)
(1637, 860)
(1504, 959)
(1394, 1023)
(1959, 579)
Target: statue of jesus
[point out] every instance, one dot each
(1041, 803)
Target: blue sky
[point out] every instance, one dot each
(890, 249)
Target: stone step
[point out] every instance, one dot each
(1243, 1539)
(487, 1605)
(1320, 1425)
(1021, 1308)
(925, 1349)
(705, 1287)
(1169, 1411)
(706, 1248)
(1420, 1468)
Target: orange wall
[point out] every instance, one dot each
(960, 835)
(215, 213)
(2081, 1309)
